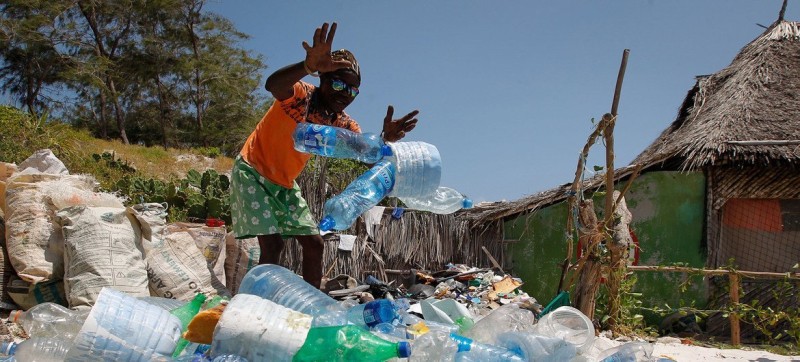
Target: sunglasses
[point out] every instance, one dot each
(339, 85)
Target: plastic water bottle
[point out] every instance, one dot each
(507, 318)
(338, 142)
(120, 327)
(469, 350)
(419, 169)
(282, 286)
(38, 349)
(418, 326)
(185, 314)
(534, 347)
(349, 343)
(49, 320)
(569, 324)
(259, 329)
(442, 201)
(628, 352)
(357, 198)
(433, 346)
(379, 311)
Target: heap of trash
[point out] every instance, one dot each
(88, 279)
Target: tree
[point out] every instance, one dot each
(162, 71)
(32, 58)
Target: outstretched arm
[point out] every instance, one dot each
(395, 130)
(318, 59)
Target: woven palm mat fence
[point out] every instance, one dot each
(415, 240)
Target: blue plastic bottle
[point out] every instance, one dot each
(373, 313)
(469, 350)
(442, 201)
(338, 142)
(362, 194)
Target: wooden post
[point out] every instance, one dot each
(733, 279)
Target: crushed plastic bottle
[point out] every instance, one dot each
(50, 320)
(569, 324)
(373, 313)
(469, 350)
(338, 142)
(348, 343)
(443, 200)
(358, 197)
(507, 318)
(40, 349)
(534, 347)
(433, 346)
(638, 351)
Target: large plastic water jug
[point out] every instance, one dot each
(121, 327)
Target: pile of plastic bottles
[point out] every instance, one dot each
(279, 317)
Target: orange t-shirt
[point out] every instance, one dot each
(270, 148)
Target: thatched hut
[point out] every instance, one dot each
(736, 143)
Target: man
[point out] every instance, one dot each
(265, 199)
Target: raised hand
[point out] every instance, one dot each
(395, 130)
(318, 55)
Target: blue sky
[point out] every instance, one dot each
(507, 89)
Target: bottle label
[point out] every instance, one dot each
(371, 316)
(385, 176)
(320, 139)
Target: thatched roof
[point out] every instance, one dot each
(748, 113)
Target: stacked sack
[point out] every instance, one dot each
(66, 241)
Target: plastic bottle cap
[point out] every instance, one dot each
(467, 203)
(386, 151)
(14, 315)
(326, 223)
(403, 349)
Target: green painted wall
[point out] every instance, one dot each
(668, 218)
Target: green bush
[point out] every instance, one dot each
(196, 198)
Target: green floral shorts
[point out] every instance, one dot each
(260, 207)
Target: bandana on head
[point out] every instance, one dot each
(344, 54)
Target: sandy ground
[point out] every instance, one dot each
(673, 348)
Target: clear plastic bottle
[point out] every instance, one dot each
(349, 343)
(442, 201)
(38, 349)
(49, 320)
(638, 351)
(419, 169)
(507, 318)
(259, 329)
(569, 324)
(284, 287)
(361, 195)
(535, 347)
(338, 142)
(469, 350)
(418, 326)
(372, 313)
(435, 345)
